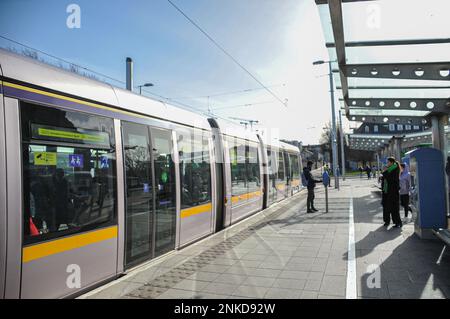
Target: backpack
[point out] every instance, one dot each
(304, 180)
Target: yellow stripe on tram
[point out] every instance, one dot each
(246, 196)
(64, 244)
(205, 208)
(62, 97)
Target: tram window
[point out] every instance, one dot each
(287, 166)
(295, 167)
(238, 166)
(252, 163)
(280, 166)
(68, 170)
(195, 169)
(165, 208)
(272, 165)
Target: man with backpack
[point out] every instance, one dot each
(310, 184)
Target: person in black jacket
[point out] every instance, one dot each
(390, 193)
(311, 184)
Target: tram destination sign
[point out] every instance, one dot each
(80, 136)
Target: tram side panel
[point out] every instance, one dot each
(244, 177)
(264, 168)
(3, 233)
(197, 184)
(69, 200)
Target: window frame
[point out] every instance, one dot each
(27, 141)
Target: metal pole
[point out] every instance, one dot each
(378, 164)
(342, 146)
(333, 130)
(129, 75)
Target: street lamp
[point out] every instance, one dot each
(333, 121)
(145, 85)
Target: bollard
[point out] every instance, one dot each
(326, 182)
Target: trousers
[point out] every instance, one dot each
(310, 199)
(391, 209)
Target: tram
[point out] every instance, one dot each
(95, 180)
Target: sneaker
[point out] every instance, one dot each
(386, 224)
(316, 210)
(397, 226)
(309, 211)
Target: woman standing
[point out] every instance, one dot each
(391, 198)
(405, 184)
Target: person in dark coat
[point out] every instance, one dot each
(368, 171)
(391, 195)
(311, 184)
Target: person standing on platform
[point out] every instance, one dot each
(391, 195)
(368, 171)
(311, 184)
(405, 185)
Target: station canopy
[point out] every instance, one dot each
(390, 58)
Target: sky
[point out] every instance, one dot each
(277, 41)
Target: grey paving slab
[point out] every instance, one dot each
(204, 276)
(216, 287)
(250, 291)
(118, 290)
(231, 278)
(296, 284)
(333, 285)
(189, 284)
(259, 281)
(294, 274)
(312, 285)
(308, 295)
(280, 293)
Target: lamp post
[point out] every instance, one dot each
(342, 145)
(333, 122)
(145, 85)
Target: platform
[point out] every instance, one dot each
(284, 253)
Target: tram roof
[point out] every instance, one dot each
(28, 70)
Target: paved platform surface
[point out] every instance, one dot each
(284, 253)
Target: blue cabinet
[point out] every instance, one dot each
(428, 190)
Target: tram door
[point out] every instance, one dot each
(150, 192)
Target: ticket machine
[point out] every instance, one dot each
(427, 190)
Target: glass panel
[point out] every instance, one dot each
(294, 166)
(281, 174)
(287, 165)
(399, 93)
(381, 112)
(68, 188)
(325, 19)
(281, 182)
(397, 82)
(252, 163)
(396, 20)
(195, 169)
(165, 207)
(237, 152)
(397, 53)
(272, 166)
(139, 192)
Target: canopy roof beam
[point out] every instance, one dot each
(411, 120)
(419, 104)
(391, 42)
(411, 71)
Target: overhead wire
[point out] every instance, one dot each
(226, 53)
